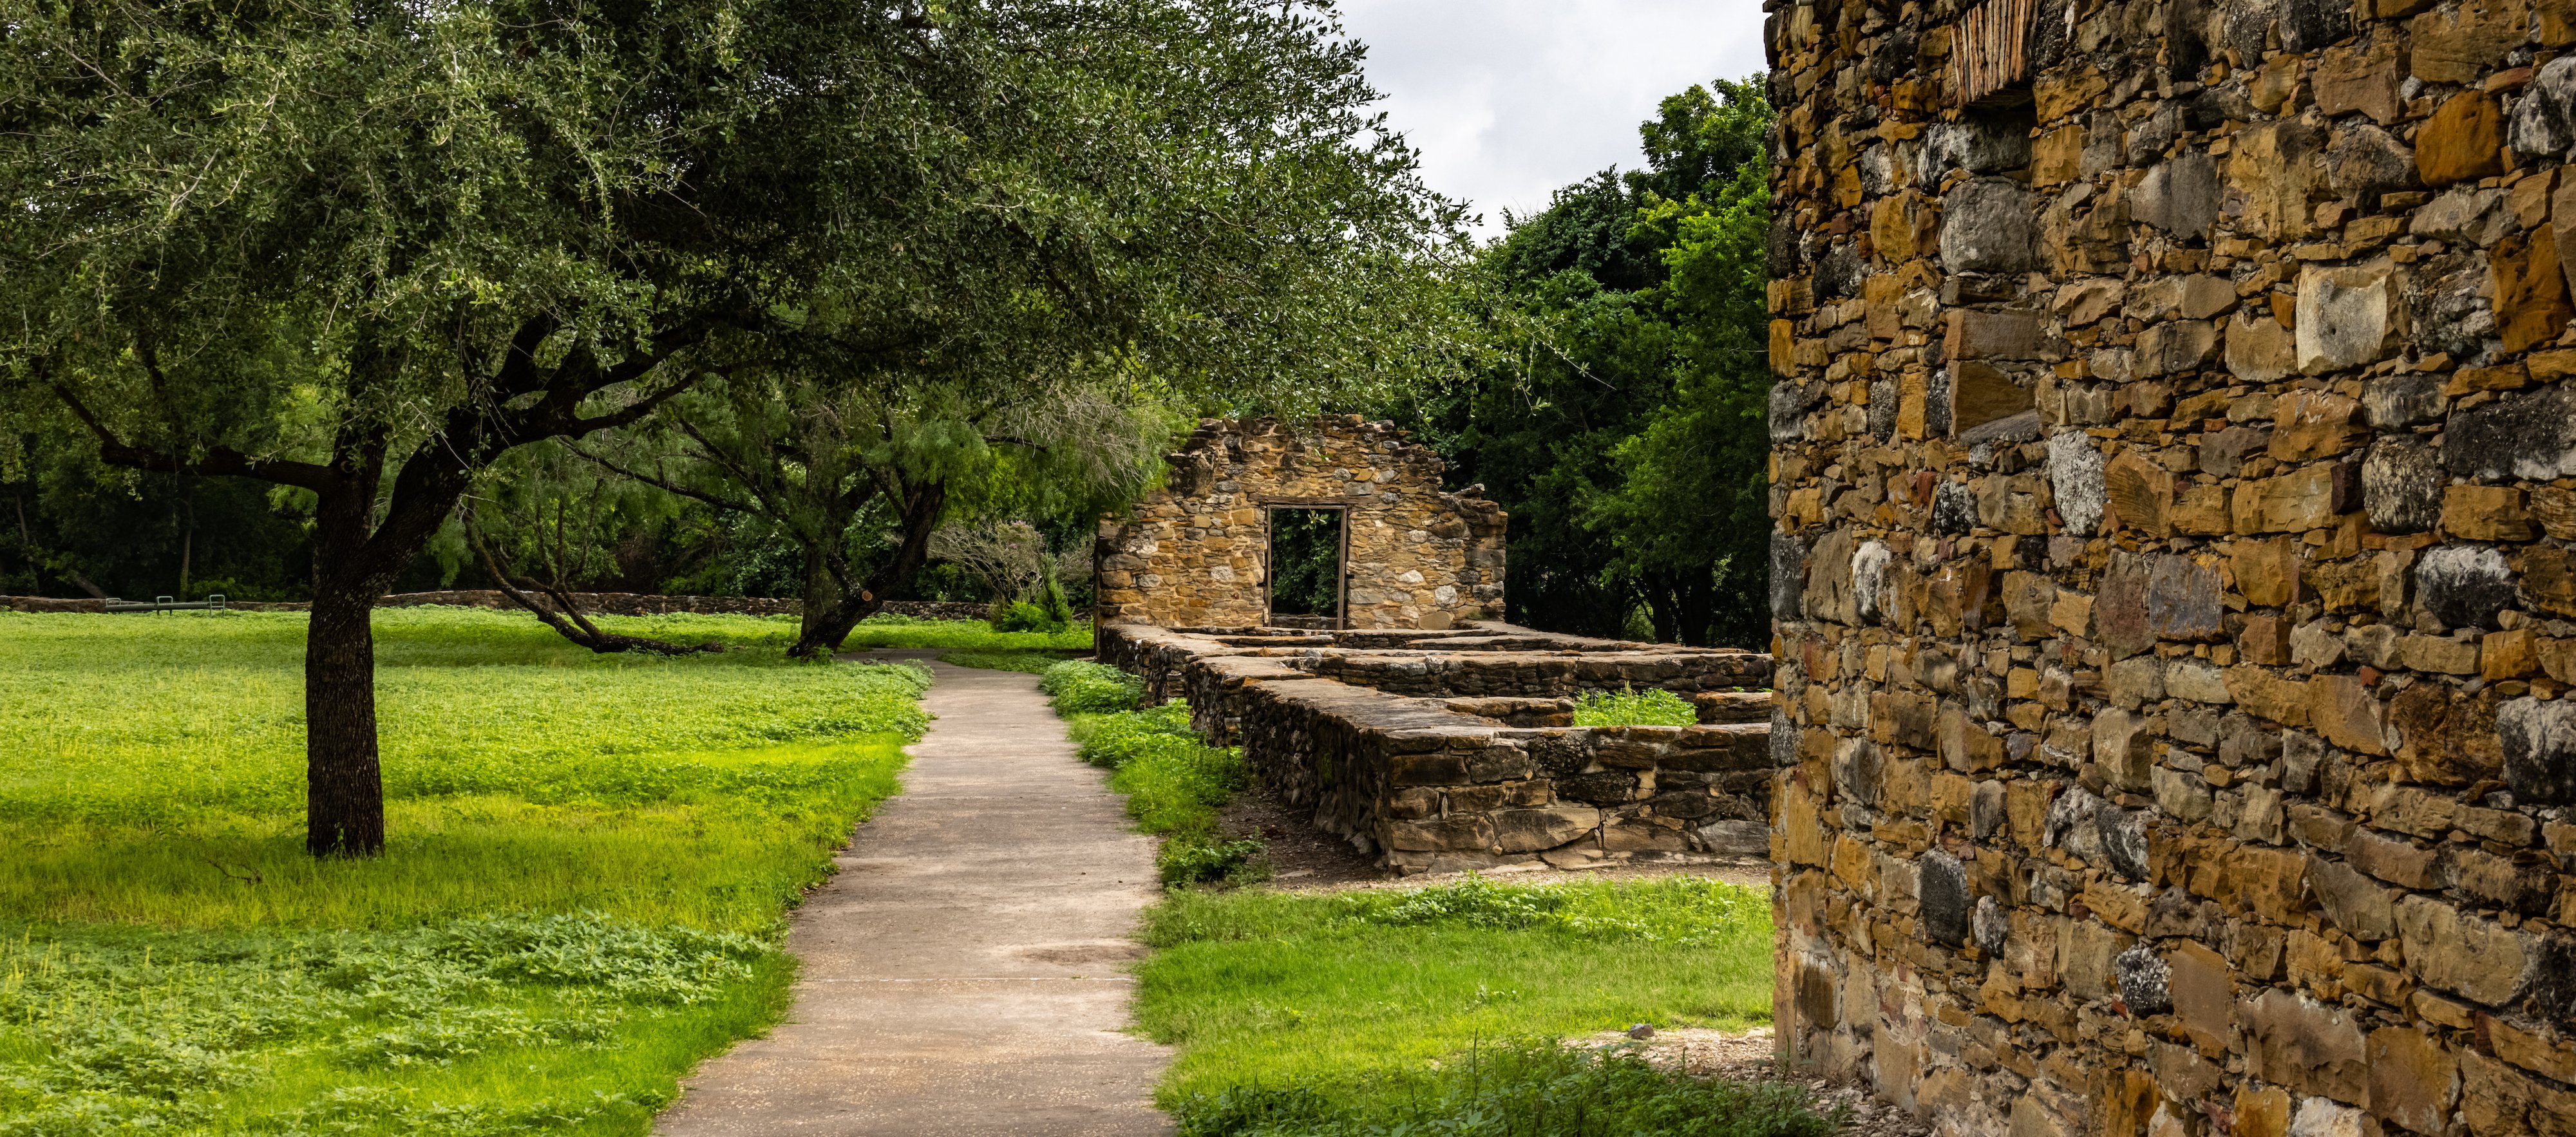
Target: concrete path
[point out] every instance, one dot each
(965, 971)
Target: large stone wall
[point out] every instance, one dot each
(2175, 465)
(1196, 551)
(1431, 769)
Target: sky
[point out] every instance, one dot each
(1509, 99)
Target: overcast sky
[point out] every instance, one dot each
(1509, 99)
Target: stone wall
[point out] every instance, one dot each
(1196, 551)
(1439, 773)
(2174, 469)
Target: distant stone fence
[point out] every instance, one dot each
(593, 603)
(1456, 751)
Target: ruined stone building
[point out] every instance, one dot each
(2174, 473)
(1196, 552)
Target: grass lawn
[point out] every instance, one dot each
(588, 862)
(1367, 1002)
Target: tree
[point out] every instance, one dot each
(364, 252)
(1243, 236)
(541, 521)
(1621, 424)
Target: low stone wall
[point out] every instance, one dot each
(594, 603)
(1470, 764)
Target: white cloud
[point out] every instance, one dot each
(1509, 99)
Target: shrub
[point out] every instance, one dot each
(1022, 616)
(1081, 687)
(1653, 706)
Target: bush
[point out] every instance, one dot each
(1535, 1087)
(1022, 616)
(1653, 706)
(1081, 687)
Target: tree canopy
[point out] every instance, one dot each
(1620, 420)
(363, 253)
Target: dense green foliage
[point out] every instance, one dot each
(1352, 1011)
(1081, 687)
(1306, 561)
(1653, 706)
(592, 858)
(1622, 424)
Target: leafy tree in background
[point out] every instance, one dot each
(1623, 429)
(366, 252)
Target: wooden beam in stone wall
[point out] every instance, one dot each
(1993, 60)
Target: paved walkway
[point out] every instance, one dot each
(965, 971)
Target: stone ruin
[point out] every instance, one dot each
(2175, 471)
(1441, 750)
(1196, 551)
(1421, 729)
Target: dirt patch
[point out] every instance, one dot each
(1302, 857)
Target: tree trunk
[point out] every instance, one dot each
(830, 613)
(344, 809)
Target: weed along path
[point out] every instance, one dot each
(965, 972)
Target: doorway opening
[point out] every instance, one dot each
(1306, 579)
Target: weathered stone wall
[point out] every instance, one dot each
(2174, 475)
(1196, 552)
(1446, 783)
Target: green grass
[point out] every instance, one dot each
(1653, 706)
(961, 635)
(1175, 786)
(1079, 687)
(1361, 1004)
(638, 826)
(1033, 662)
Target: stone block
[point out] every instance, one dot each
(1441, 834)
(2075, 474)
(2179, 195)
(2463, 141)
(2462, 43)
(1988, 226)
(2392, 859)
(2475, 958)
(2303, 499)
(2444, 737)
(2538, 739)
(2348, 316)
(2308, 425)
(2401, 486)
(2531, 305)
(2486, 513)
(1942, 889)
(2393, 401)
(2299, 1043)
(2529, 436)
(2344, 711)
(2464, 586)
(2354, 902)
(2271, 166)
(2362, 75)
(2266, 571)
